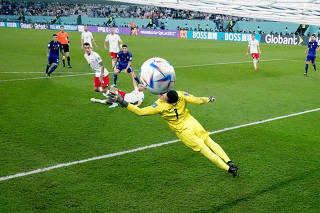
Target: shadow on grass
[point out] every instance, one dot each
(248, 197)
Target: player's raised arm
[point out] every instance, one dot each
(134, 83)
(197, 100)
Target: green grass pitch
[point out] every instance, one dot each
(45, 122)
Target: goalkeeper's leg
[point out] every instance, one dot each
(197, 144)
(217, 149)
(213, 157)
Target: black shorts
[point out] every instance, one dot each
(65, 48)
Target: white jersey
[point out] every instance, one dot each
(113, 42)
(94, 59)
(87, 37)
(134, 96)
(253, 44)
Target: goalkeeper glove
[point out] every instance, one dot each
(115, 97)
(211, 99)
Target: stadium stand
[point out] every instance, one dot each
(39, 19)
(265, 26)
(69, 19)
(312, 30)
(123, 14)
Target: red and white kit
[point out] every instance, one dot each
(113, 44)
(132, 97)
(253, 44)
(93, 60)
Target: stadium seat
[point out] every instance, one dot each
(266, 26)
(312, 30)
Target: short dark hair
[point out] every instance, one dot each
(313, 35)
(124, 45)
(54, 35)
(86, 44)
(61, 26)
(172, 96)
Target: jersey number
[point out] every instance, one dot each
(176, 111)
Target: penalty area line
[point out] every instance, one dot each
(40, 170)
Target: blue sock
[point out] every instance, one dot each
(137, 79)
(52, 69)
(307, 65)
(115, 77)
(314, 66)
(48, 66)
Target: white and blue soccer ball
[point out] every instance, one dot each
(158, 75)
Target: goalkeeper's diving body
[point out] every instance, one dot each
(172, 108)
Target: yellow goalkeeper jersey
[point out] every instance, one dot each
(175, 114)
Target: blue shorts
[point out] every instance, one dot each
(311, 58)
(52, 60)
(123, 66)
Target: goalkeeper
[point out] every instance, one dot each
(172, 108)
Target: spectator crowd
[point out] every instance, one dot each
(102, 10)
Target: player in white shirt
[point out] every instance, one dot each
(134, 97)
(101, 78)
(114, 41)
(87, 37)
(255, 51)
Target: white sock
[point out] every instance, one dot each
(102, 101)
(100, 89)
(255, 63)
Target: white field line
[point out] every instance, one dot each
(34, 78)
(39, 72)
(22, 174)
(235, 62)
(185, 66)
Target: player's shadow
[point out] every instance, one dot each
(248, 197)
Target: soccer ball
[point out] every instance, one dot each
(158, 75)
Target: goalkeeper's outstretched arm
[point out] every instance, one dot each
(113, 96)
(149, 110)
(198, 100)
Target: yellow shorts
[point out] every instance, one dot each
(194, 134)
